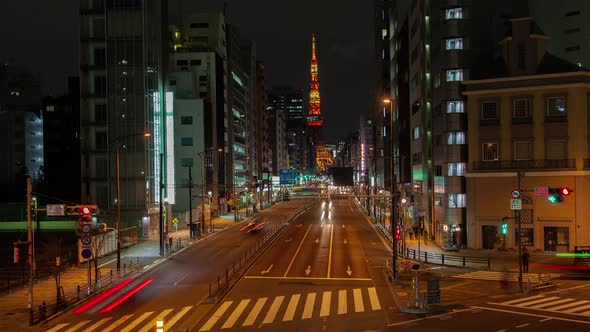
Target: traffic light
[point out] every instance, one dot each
(565, 191)
(397, 233)
(556, 194)
(16, 254)
(75, 210)
(504, 229)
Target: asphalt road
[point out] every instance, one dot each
(326, 272)
(175, 286)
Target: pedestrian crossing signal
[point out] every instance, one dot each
(504, 229)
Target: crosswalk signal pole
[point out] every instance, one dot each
(519, 238)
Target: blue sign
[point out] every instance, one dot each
(287, 176)
(86, 253)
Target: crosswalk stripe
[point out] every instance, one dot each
(117, 323)
(545, 299)
(565, 306)
(577, 309)
(220, 311)
(137, 321)
(326, 299)
(550, 304)
(274, 308)
(309, 303)
(97, 324)
(521, 300)
(236, 314)
(291, 307)
(342, 307)
(358, 300)
(255, 311)
(77, 326)
(375, 305)
(58, 327)
(178, 316)
(150, 326)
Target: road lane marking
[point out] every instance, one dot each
(211, 322)
(309, 303)
(150, 326)
(107, 263)
(544, 320)
(375, 305)
(137, 321)
(565, 289)
(308, 278)
(330, 252)
(325, 308)
(178, 316)
(117, 323)
(358, 300)
(550, 304)
(545, 299)
(523, 325)
(77, 326)
(296, 252)
(455, 311)
(255, 311)
(236, 314)
(181, 279)
(308, 270)
(349, 271)
(263, 272)
(521, 299)
(342, 305)
(532, 315)
(274, 308)
(572, 304)
(576, 309)
(58, 327)
(97, 324)
(290, 313)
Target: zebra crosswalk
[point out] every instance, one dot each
(508, 276)
(139, 322)
(266, 310)
(554, 304)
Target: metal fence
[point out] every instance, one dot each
(448, 259)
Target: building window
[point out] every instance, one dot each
(457, 201)
(454, 13)
(417, 132)
(574, 48)
(187, 162)
(102, 195)
(172, 82)
(437, 170)
(436, 80)
(454, 75)
(454, 44)
(521, 109)
(101, 167)
(489, 110)
(99, 56)
(455, 106)
(456, 169)
(522, 150)
(555, 149)
(489, 151)
(101, 141)
(456, 137)
(196, 62)
(100, 85)
(199, 25)
(182, 62)
(556, 106)
(186, 141)
(100, 112)
(186, 120)
(416, 158)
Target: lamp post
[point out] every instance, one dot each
(392, 191)
(118, 174)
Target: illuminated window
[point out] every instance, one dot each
(456, 137)
(454, 13)
(454, 75)
(556, 106)
(489, 151)
(457, 201)
(384, 33)
(417, 132)
(456, 169)
(455, 106)
(454, 44)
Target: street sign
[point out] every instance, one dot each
(86, 253)
(287, 176)
(86, 228)
(86, 240)
(541, 191)
(515, 193)
(56, 209)
(516, 204)
(175, 221)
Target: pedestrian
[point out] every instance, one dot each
(525, 260)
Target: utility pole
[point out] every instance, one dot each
(190, 201)
(519, 236)
(31, 248)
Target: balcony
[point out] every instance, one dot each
(543, 164)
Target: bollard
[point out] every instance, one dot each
(443, 259)
(489, 263)
(160, 325)
(463, 261)
(124, 269)
(79, 292)
(414, 254)
(425, 257)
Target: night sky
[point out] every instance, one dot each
(43, 35)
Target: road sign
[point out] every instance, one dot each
(516, 204)
(86, 253)
(86, 228)
(515, 193)
(86, 240)
(541, 191)
(287, 176)
(56, 209)
(175, 221)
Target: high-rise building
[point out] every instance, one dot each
(123, 50)
(277, 143)
(261, 151)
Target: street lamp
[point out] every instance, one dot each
(389, 102)
(118, 170)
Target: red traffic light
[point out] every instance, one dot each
(565, 191)
(397, 234)
(86, 210)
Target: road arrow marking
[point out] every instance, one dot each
(267, 270)
(345, 241)
(308, 270)
(289, 240)
(349, 271)
(317, 240)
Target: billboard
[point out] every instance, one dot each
(287, 176)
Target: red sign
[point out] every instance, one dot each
(541, 191)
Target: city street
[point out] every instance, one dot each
(175, 286)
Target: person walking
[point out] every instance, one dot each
(525, 260)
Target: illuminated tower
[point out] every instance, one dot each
(314, 117)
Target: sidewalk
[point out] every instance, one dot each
(13, 305)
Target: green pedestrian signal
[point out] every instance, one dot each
(504, 229)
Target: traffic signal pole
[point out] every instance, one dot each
(519, 237)
(31, 252)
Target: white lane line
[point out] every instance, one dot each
(58, 327)
(550, 304)
(565, 289)
(577, 309)
(181, 279)
(178, 316)
(544, 320)
(290, 313)
(274, 308)
(521, 300)
(220, 311)
(523, 325)
(255, 311)
(77, 326)
(308, 309)
(236, 314)
(97, 324)
(342, 305)
(137, 321)
(532, 315)
(546, 299)
(375, 305)
(326, 299)
(107, 263)
(572, 304)
(150, 326)
(501, 331)
(117, 323)
(358, 300)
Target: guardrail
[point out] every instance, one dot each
(239, 264)
(79, 293)
(447, 259)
